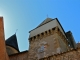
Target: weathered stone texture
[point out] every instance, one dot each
(47, 44)
(19, 56)
(36, 45)
(69, 55)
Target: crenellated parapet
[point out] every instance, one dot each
(48, 33)
(43, 34)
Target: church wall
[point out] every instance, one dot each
(19, 56)
(69, 55)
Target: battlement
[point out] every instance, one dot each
(48, 33)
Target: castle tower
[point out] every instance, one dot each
(3, 53)
(47, 39)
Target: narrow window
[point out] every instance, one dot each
(50, 31)
(53, 28)
(30, 38)
(38, 36)
(46, 32)
(58, 29)
(42, 34)
(34, 37)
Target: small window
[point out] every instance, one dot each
(46, 32)
(49, 31)
(53, 28)
(38, 36)
(34, 37)
(42, 34)
(58, 29)
(30, 38)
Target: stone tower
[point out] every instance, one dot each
(47, 39)
(3, 53)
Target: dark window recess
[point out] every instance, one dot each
(38, 35)
(46, 32)
(34, 37)
(53, 28)
(49, 31)
(58, 29)
(42, 34)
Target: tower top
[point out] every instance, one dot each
(45, 21)
(47, 24)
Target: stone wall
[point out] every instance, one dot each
(73, 54)
(46, 44)
(19, 56)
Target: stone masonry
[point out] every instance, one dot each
(73, 54)
(50, 40)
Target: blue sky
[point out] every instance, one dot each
(25, 15)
